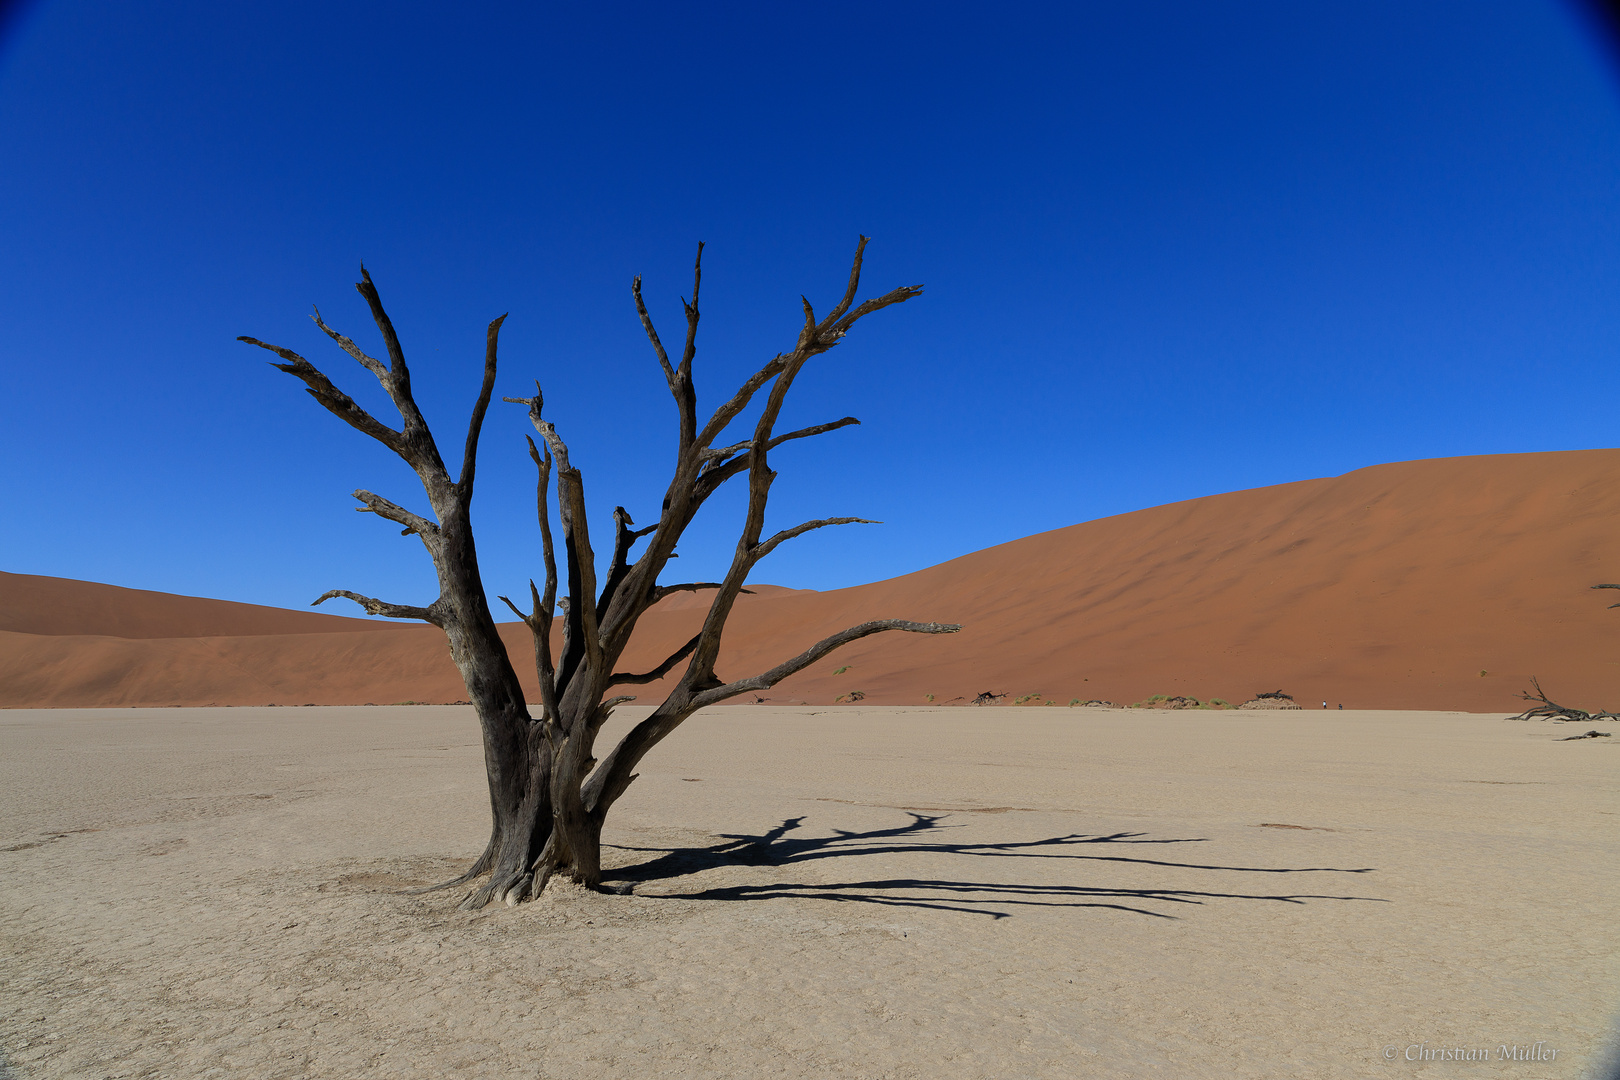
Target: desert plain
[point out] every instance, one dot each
(836, 891)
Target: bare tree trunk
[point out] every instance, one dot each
(549, 797)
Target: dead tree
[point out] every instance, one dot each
(549, 795)
(1548, 709)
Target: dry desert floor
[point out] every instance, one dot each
(829, 892)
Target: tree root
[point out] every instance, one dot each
(496, 887)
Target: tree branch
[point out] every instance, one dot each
(814, 339)
(581, 639)
(727, 412)
(414, 523)
(685, 368)
(370, 363)
(624, 539)
(820, 649)
(719, 470)
(373, 606)
(581, 568)
(854, 282)
(332, 399)
(768, 546)
(425, 458)
(469, 456)
(895, 296)
(689, 586)
(652, 336)
(544, 606)
(662, 669)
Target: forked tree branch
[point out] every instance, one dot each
(581, 640)
(425, 452)
(332, 399)
(717, 469)
(624, 539)
(678, 377)
(605, 710)
(727, 412)
(815, 652)
(815, 338)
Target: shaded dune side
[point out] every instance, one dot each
(1390, 587)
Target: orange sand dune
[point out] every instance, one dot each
(1395, 586)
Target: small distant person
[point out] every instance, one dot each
(1324, 704)
(1341, 704)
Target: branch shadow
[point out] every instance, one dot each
(779, 847)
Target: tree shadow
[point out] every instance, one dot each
(778, 847)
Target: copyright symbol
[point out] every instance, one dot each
(1389, 1052)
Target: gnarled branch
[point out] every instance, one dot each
(373, 606)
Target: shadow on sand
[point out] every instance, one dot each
(780, 848)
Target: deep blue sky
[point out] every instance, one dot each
(1171, 249)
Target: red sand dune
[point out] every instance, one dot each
(1395, 586)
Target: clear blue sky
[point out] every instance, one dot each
(1171, 249)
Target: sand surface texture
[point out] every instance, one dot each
(845, 892)
(1441, 584)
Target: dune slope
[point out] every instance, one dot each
(1440, 584)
